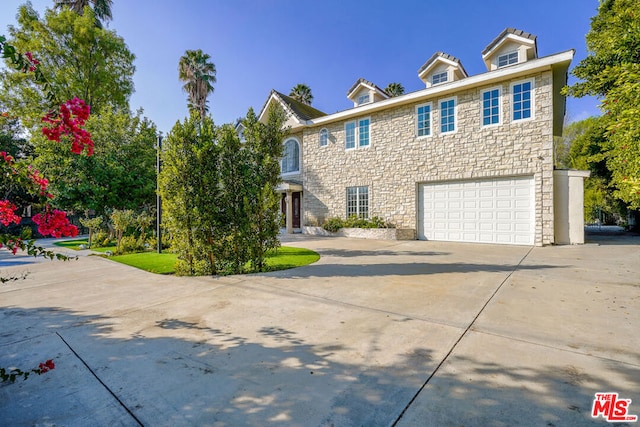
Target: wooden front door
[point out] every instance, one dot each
(296, 209)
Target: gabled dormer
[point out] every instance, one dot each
(297, 112)
(441, 68)
(364, 92)
(510, 47)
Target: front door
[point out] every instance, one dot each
(295, 208)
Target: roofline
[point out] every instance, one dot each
(486, 78)
(425, 70)
(509, 36)
(367, 84)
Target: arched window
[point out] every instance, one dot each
(324, 137)
(291, 157)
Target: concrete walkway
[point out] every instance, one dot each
(375, 333)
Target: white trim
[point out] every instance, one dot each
(489, 77)
(455, 115)
(320, 138)
(299, 171)
(509, 37)
(533, 100)
(508, 54)
(425, 72)
(500, 118)
(356, 134)
(430, 134)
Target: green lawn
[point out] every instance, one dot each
(286, 257)
(150, 261)
(75, 245)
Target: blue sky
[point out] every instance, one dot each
(259, 45)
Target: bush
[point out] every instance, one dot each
(99, 239)
(333, 224)
(129, 244)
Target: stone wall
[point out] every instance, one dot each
(397, 160)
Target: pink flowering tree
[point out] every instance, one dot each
(62, 124)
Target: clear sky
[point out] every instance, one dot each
(259, 45)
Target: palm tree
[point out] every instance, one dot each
(394, 89)
(101, 8)
(301, 92)
(199, 76)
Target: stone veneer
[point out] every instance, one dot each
(397, 161)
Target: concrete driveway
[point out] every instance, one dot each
(375, 333)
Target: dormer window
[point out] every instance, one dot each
(439, 78)
(507, 59)
(363, 99)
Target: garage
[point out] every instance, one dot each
(498, 210)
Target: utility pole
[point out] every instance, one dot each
(158, 200)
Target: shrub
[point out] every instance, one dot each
(129, 244)
(100, 239)
(333, 224)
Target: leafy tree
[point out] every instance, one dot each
(121, 220)
(612, 72)
(394, 89)
(218, 193)
(584, 142)
(198, 75)
(101, 8)
(76, 59)
(301, 92)
(188, 192)
(121, 174)
(93, 224)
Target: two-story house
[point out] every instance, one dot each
(467, 158)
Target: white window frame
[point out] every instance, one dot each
(324, 133)
(532, 99)
(508, 56)
(439, 75)
(356, 134)
(455, 115)
(295, 172)
(428, 104)
(359, 207)
(365, 98)
(499, 89)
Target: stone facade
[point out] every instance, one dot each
(397, 161)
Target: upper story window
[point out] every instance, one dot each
(491, 107)
(423, 120)
(522, 101)
(363, 99)
(357, 131)
(448, 115)
(439, 78)
(324, 137)
(358, 202)
(507, 59)
(290, 162)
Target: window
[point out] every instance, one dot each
(357, 131)
(507, 59)
(491, 107)
(358, 202)
(423, 120)
(439, 78)
(448, 115)
(522, 100)
(290, 162)
(324, 137)
(363, 99)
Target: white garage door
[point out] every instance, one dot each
(497, 210)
